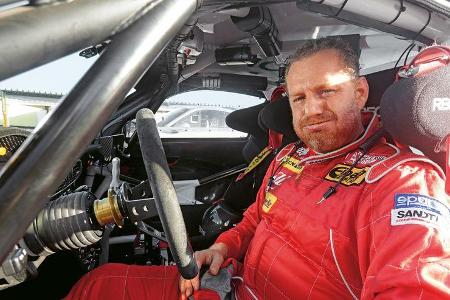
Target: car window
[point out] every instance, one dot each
(28, 97)
(201, 114)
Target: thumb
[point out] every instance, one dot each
(216, 262)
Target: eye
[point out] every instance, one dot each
(327, 92)
(299, 98)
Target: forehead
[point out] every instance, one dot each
(325, 67)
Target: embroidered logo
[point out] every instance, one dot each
(279, 178)
(269, 201)
(354, 177)
(421, 210)
(302, 151)
(292, 165)
(365, 160)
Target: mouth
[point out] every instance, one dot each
(316, 126)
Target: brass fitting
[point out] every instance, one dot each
(107, 210)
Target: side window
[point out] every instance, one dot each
(201, 114)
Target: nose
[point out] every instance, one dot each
(314, 106)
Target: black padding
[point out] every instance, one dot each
(242, 193)
(278, 116)
(246, 120)
(378, 83)
(254, 146)
(416, 111)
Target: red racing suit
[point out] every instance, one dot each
(384, 234)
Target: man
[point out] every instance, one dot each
(343, 215)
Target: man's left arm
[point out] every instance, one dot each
(403, 236)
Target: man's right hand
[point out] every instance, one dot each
(214, 257)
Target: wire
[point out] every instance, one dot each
(403, 53)
(341, 8)
(407, 55)
(400, 11)
(424, 27)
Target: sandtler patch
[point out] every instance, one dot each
(421, 210)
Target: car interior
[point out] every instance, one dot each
(108, 206)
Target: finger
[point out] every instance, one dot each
(215, 264)
(196, 283)
(201, 258)
(188, 288)
(182, 288)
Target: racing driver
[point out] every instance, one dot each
(340, 215)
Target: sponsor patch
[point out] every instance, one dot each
(292, 164)
(302, 151)
(365, 160)
(421, 210)
(354, 177)
(279, 178)
(269, 201)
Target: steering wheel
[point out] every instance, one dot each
(164, 193)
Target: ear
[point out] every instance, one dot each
(361, 92)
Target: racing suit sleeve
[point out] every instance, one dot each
(238, 238)
(403, 235)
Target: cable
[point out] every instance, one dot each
(423, 28)
(407, 55)
(341, 8)
(400, 11)
(403, 53)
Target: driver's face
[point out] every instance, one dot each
(326, 101)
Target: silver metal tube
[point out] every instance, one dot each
(8, 2)
(44, 158)
(32, 36)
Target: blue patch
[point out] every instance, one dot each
(421, 201)
(420, 210)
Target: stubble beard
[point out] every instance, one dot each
(347, 129)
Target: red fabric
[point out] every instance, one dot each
(275, 138)
(295, 248)
(206, 295)
(131, 282)
(126, 282)
(447, 164)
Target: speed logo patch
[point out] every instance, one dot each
(355, 177)
(421, 210)
(292, 165)
(269, 201)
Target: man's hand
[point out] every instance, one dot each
(214, 257)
